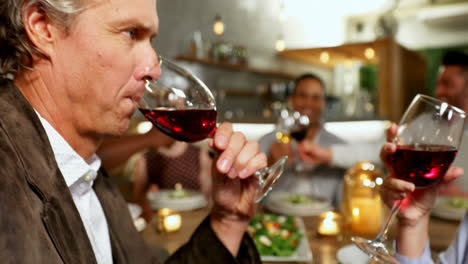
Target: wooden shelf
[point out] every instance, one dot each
(338, 54)
(234, 67)
(401, 72)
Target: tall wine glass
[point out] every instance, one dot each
(427, 140)
(182, 107)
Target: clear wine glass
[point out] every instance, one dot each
(427, 140)
(182, 107)
(292, 125)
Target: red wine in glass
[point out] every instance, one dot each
(427, 139)
(422, 165)
(299, 134)
(189, 125)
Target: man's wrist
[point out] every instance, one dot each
(412, 237)
(229, 228)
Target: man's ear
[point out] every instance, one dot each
(39, 29)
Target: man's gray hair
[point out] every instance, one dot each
(16, 50)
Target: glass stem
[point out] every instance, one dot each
(382, 236)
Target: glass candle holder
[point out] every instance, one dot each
(362, 207)
(168, 220)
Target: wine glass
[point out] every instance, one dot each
(292, 125)
(427, 140)
(182, 107)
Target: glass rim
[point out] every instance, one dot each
(182, 71)
(436, 101)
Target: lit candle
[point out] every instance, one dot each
(329, 225)
(169, 221)
(172, 222)
(366, 216)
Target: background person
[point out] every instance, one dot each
(157, 162)
(325, 156)
(452, 87)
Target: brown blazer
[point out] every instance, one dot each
(39, 222)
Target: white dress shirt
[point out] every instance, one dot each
(79, 176)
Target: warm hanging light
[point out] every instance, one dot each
(218, 26)
(282, 14)
(324, 57)
(280, 44)
(369, 53)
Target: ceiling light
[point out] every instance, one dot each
(218, 26)
(324, 57)
(280, 45)
(369, 53)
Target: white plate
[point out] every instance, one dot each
(303, 253)
(445, 211)
(351, 254)
(161, 199)
(277, 202)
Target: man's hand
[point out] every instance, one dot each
(278, 150)
(313, 153)
(418, 203)
(234, 185)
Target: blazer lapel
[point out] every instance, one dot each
(72, 246)
(108, 198)
(59, 214)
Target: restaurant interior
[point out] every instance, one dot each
(374, 57)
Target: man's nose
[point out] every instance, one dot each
(150, 69)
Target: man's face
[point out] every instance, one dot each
(103, 61)
(309, 100)
(452, 86)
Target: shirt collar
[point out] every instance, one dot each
(70, 163)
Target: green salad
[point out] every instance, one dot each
(299, 199)
(457, 202)
(275, 235)
(178, 192)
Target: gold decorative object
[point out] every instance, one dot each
(362, 206)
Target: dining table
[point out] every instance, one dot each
(324, 248)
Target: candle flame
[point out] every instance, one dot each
(355, 211)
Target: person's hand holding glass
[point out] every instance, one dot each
(419, 156)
